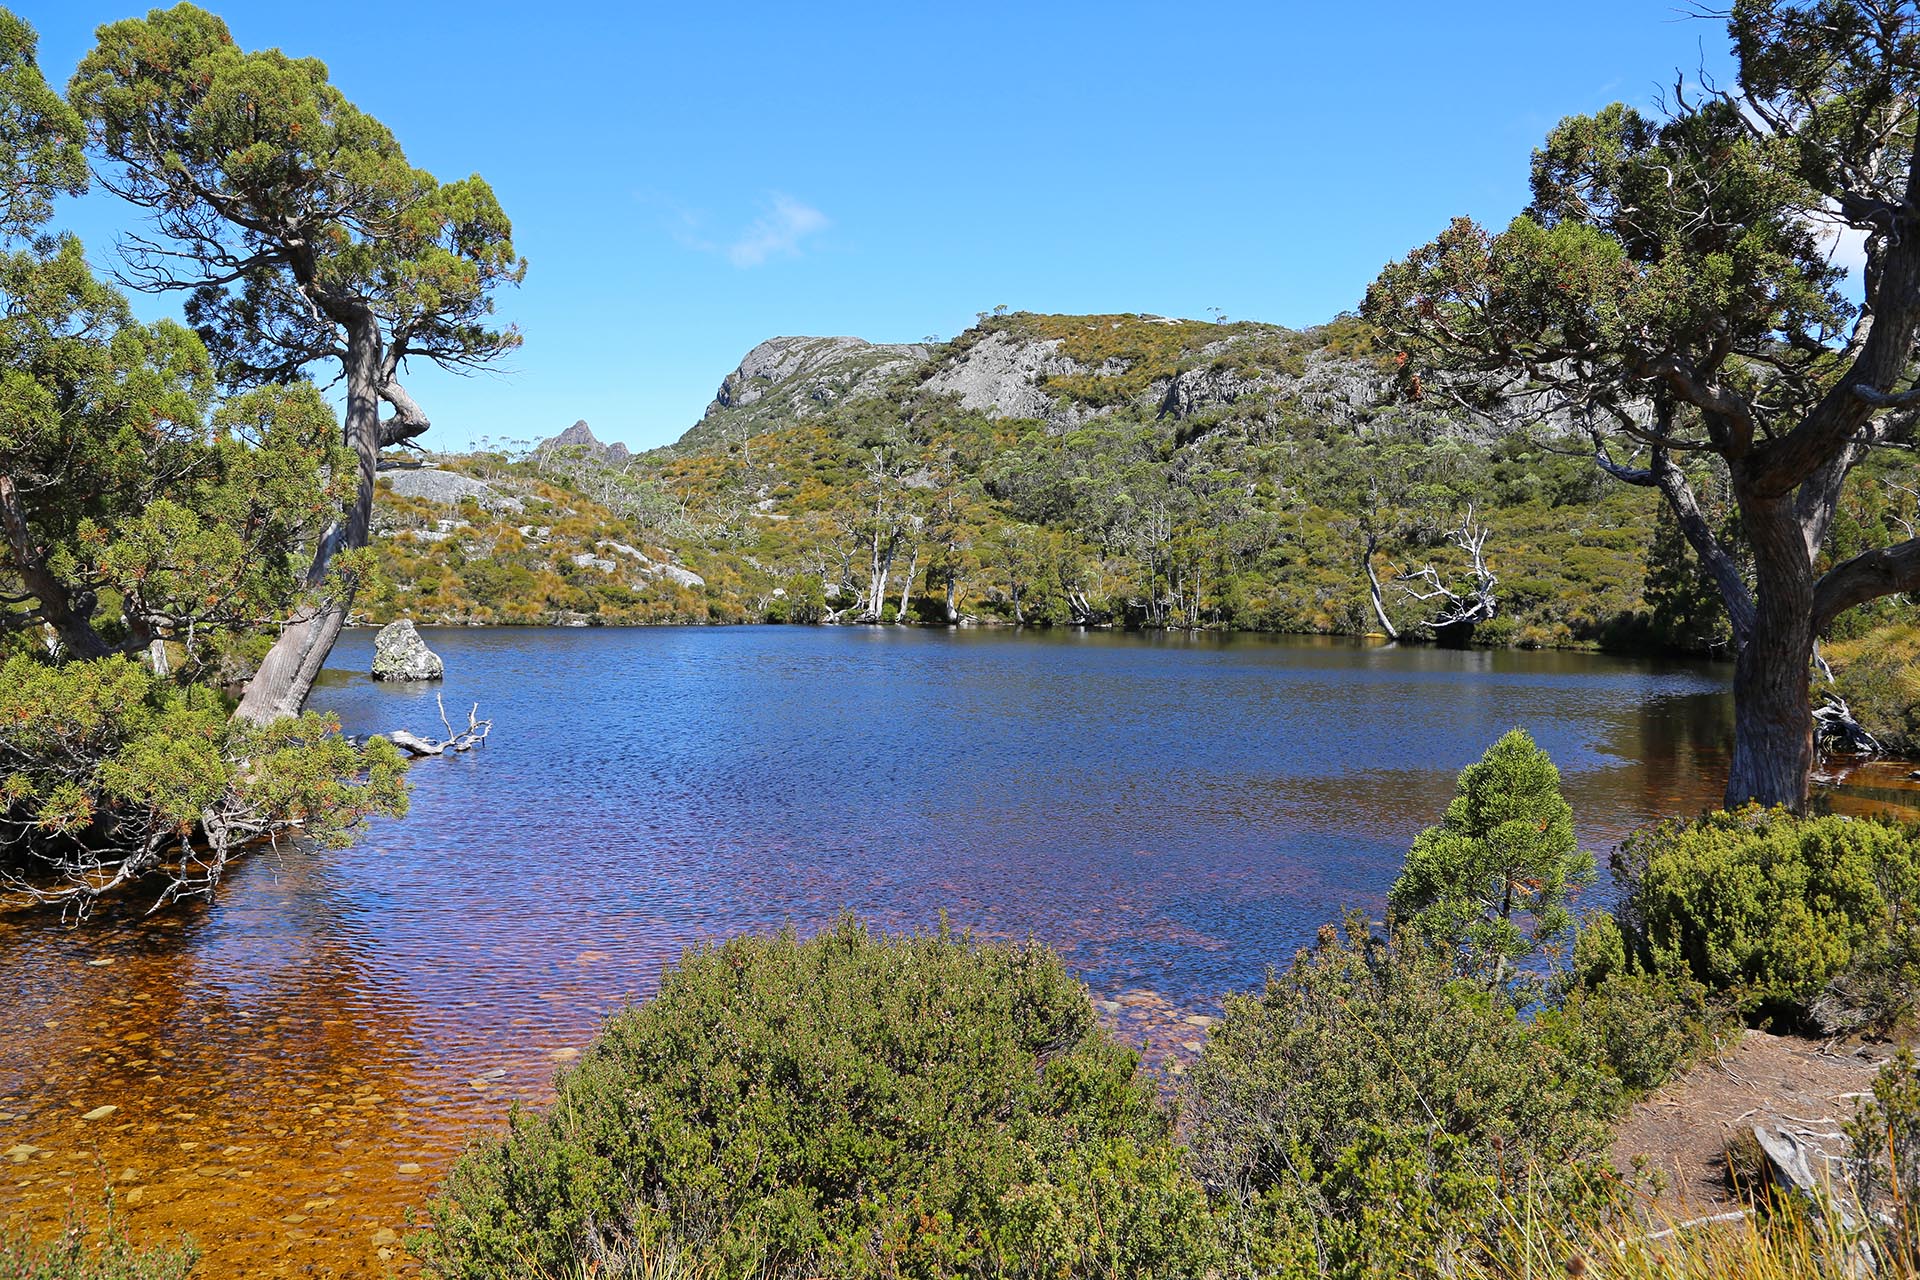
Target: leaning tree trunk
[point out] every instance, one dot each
(1773, 749)
(286, 675)
(906, 588)
(1373, 588)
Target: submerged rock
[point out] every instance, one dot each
(400, 654)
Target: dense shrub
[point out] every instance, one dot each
(1639, 1026)
(852, 1105)
(80, 1252)
(1806, 920)
(109, 773)
(1370, 1112)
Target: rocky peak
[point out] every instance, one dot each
(580, 436)
(784, 379)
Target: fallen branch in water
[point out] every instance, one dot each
(465, 740)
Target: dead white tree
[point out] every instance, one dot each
(1371, 537)
(465, 740)
(1457, 610)
(1834, 727)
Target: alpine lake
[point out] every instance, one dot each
(283, 1071)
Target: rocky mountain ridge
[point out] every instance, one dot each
(787, 378)
(1067, 371)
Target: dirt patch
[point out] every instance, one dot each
(1805, 1086)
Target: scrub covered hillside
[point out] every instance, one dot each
(1117, 469)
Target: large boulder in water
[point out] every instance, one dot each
(400, 654)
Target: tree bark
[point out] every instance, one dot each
(906, 587)
(286, 675)
(1773, 749)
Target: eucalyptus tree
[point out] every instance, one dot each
(305, 240)
(1672, 291)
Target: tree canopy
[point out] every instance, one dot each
(303, 237)
(150, 521)
(1672, 292)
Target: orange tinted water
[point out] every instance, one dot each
(293, 1065)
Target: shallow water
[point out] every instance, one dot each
(292, 1065)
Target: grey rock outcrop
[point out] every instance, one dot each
(1021, 368)
(812, 372)
(783, 379)
(447, 488)
(1000, 375)
(680, 577)
(400, 654)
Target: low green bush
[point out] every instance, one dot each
(1806, 921)
(1639, 1026)
(1372, 1112)
(82, 1252)
(853, 1105)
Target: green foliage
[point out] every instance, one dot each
(1686, 614)
(78, 1253)
(1639, 1026)
(1790, 918)
(1370, 1112)
(1883, 1140)
(1504, 850)
(298, 212)
(108, 773)
(852, 1105)
(40, 155)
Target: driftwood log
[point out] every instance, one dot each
(464, 740)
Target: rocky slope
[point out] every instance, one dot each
(1125, 469)
(1067, 371)
(784, 379)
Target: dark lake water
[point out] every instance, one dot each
(294, 1062)
(1173, 813)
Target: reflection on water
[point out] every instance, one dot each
(289, 1067)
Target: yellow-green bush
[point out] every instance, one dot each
(853, 1105)
(1879, 676)
(1776, 911)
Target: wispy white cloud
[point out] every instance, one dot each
(779, 232)
(782, 230)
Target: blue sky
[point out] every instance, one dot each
(687, 180)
